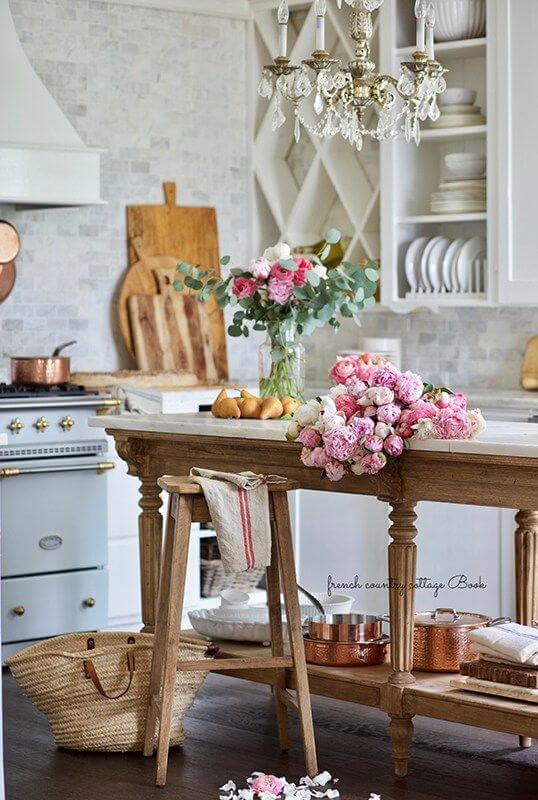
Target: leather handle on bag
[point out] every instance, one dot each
(91, 673)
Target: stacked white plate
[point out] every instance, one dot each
(463, 190)
(440, 265)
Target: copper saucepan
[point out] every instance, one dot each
(42, 370)
(9, 242)
(345, 654)
(440, 641)
(344, 627)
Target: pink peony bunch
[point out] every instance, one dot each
(371, 413)
(269, 279)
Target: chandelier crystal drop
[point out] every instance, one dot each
(344, 95)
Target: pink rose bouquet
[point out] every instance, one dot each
(370, 415)
(288, 296)
(270, 787)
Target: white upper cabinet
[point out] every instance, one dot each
(517, 206)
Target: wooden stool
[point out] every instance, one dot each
(186, 505)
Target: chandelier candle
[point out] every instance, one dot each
(343, 94)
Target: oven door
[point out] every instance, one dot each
(53, 515)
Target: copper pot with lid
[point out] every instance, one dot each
(440, 638)
(42, 370)
(344, 627)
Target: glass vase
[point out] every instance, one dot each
(282, 363)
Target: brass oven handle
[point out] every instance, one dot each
(19, 610)
(16, 425)
(13, 472)
(108, 404)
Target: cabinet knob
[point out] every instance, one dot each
(89, 602)
(16, 425)
(67, 423)
(19, 610)
(42, 424)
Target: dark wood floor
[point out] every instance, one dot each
(231, 732)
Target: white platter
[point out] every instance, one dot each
(207, 624)
(412, 262)
(472, 250)
(424, 269)
(458, 121)
(458, 206)
(435, 263)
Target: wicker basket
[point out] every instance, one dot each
(64, 677)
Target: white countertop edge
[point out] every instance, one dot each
(3, 439)
(500, 438)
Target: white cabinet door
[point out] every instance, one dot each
(516, 34)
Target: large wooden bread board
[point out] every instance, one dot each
(159, 237)
(172, 333)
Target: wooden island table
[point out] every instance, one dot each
(498, 469)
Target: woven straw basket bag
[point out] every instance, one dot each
(93, 688)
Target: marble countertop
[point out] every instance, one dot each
(500, 438)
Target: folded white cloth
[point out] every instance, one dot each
(492, 655)
(239, 508)
(499, 689)
(519, 643)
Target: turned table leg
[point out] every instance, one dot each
(150, 531)
(402, 575)
(526, 575)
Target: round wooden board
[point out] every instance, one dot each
(140, 279)
(8, 274)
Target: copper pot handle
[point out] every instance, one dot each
(439, 611)
(498, 621)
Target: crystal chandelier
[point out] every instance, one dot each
(344, 94)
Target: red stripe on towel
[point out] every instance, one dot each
(246, 527)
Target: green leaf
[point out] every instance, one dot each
(212, 282)
(300, 293)
(313, 278)
(333, 236)
(359, 295)
(259, 326)
(192, 283)
(237, 271)
(225, 260)
(372, 274)
(235, 330)
(184, 268)
(369, 302)
(245, 330)
(325, 253)
(223, 301)
(178, 286)
(288, 263)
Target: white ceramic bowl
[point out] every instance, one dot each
(234, 597)
(459, 19)
(335, 604)
(466, 165)
(457, 97)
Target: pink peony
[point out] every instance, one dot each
(363, 426)
(310, 438)
(280, 291)
(411, 416)
(386, 376)
(383, 430)
(389, 413)
(280, 273)
(394, 445)
(477, 423)
(369, 411)
(269, 784)
(368, 366)
(244, 287)
(409, 387)
(373, 463)
(355, 386)
(303, 266)
(260, 268)
(314, 458)
(344, 369)
(458, 400)
(346, 403)
(374, 444)
(335, 471)
(451, 423)
(340, 443)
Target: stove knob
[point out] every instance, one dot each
(89, 602)
(67, 423)
(15, 426)
(42, 424)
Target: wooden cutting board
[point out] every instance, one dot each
(171, 233)
(172, 333)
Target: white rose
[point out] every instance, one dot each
(477, 421)
(320, 270)
(336, 391)
(294, 429)
(277, 252)
(424, 429)
(308, 413)
(328, 405)
(331, 421)
(377, 395)
(382, 430)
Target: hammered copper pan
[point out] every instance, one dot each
(344, 627)
(42, 370)
(345, 654)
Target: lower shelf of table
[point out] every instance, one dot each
(430, 696)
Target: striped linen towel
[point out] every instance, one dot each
(239, 507)
(510, 641)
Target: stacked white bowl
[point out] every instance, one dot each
(458, 109)
(459, 19)
(462, 189)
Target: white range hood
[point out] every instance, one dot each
(43, 160)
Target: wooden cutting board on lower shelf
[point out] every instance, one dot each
(172, 333)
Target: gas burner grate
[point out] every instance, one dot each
(14, 390)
